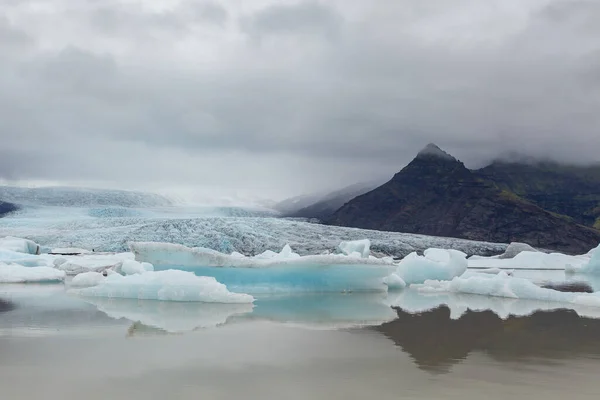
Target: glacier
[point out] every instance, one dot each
(171, 285)
(61, 227)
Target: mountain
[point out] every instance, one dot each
(569, 190)
(6, 208)
(76, 197)
(323, 207)
(437, 195)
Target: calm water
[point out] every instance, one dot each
(302, 347)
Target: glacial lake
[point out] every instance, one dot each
(329, 346)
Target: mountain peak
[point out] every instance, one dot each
(432, 150)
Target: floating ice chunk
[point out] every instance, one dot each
(12, 273)
(172, 317)
(175, 255)
(170, 285)
(132, 267)
(394, 282)
(20, 245)
(87, 279)
(503, 285)
(592, 267)
(362, 247)
(74, 265)
(515, 248)
(531, 260)
(271, 274)
(436, 264)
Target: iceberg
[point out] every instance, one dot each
(592, 267)
(170, 285)
(171, 317)
(74, 265)
(360, 247)
(13, 273)
(19, 245)
(87, 279)
(271, 272)
(530, 260)
(503, 285)
(435, 264)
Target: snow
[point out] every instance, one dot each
(592, 267)
(362, 247)
(170, 285)
(87, 279)
(503, 285)
(531, 260)
(437, 264)
(13, 273)
(19, 245)
(271, 272)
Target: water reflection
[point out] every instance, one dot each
(436, 342)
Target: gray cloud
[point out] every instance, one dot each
(278, 98)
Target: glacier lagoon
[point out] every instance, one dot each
(310, 331)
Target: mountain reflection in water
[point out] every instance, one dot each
(436, 342)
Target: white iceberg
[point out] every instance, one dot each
(132, 267)
(170, 285)
(13, 273)
(394, 282)
(362, 248)
(87, 279)
(592, 267)
(74, 265)
(271, 272)
(530, 260)
(435, 264)
(19, 245)
(503, 285)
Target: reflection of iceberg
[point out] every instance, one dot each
(271, 272)
(325, 311)
(170, 316)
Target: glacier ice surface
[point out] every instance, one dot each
(170, 285)
(438, 264)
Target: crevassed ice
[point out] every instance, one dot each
(171, 285)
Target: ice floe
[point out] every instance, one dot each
(12, 273)
(436, 264)
(171, 285)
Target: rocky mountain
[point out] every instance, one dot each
(437, 195)
(573, 191)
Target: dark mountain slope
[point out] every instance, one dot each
(437, 195)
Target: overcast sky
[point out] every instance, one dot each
(276, 98)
